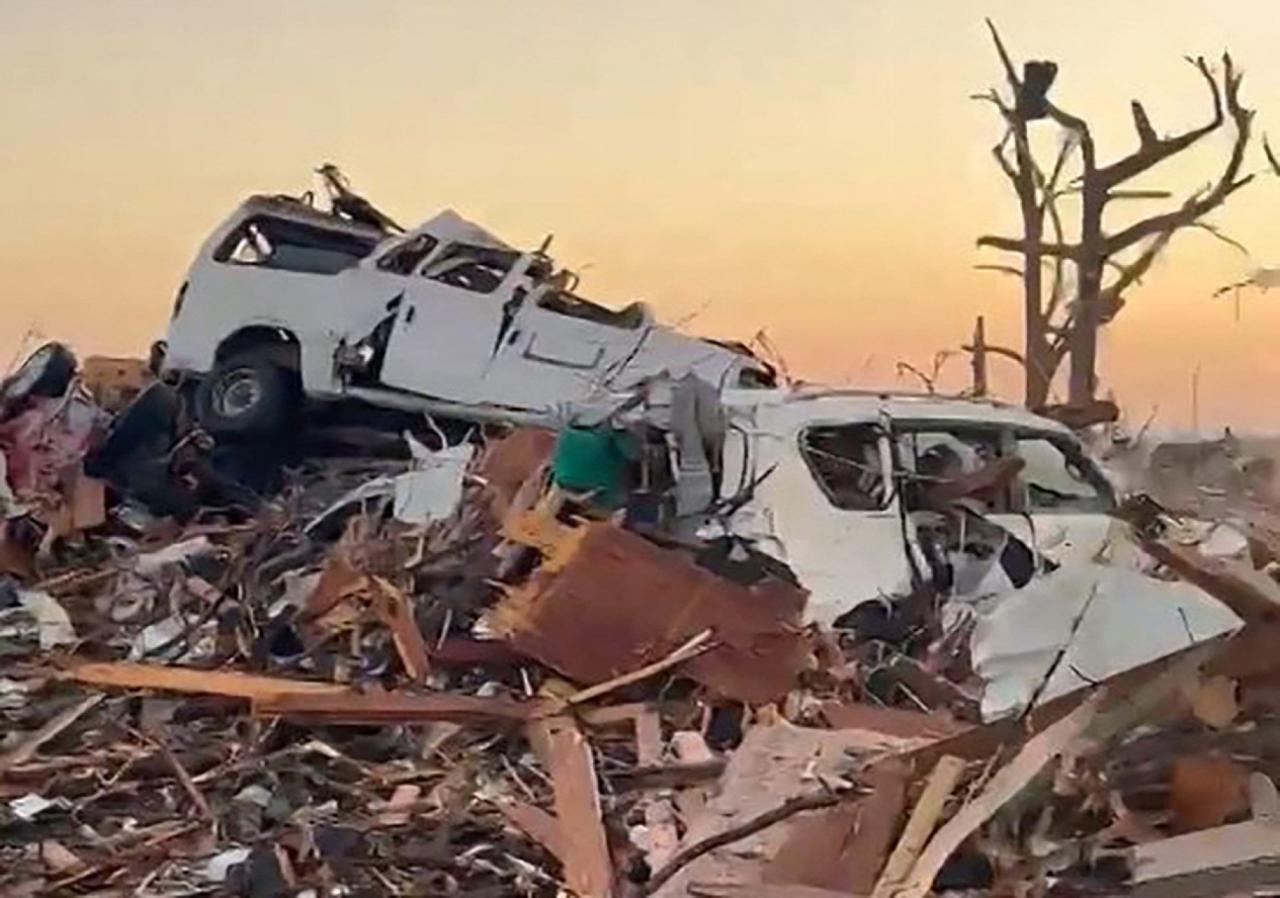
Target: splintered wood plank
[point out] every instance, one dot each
(131, 675)
(920, 825)
(566, 755)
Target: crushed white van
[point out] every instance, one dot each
(877, 502)
(835, 483)
(286, 302)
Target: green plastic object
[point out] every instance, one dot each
(592, 460)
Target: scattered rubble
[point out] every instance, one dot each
(519, 663)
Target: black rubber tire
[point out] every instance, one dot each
(147, 426)
(46, 372)
(271, 411)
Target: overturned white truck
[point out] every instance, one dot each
(878, 501)
(285, 302)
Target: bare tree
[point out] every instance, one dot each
(1058, 324)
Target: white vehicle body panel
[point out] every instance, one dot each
(448, 346)
(218, 299)
(846, 557)
(1082, 625)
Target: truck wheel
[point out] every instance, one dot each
(46, 372)
(246, 395)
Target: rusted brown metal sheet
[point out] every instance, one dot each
(611, 602)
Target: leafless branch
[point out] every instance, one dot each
(1152, 150)
(908, 368)
(1002, 269)
(1110, 300)
(1206, 201)
(1271, 156)
(1139, 194)
(1217, 232)
(682, 858)
(1002, 160)
(1049, 204)
(994, 98)
(1011, 354)
(1014, 245)
(1010, 73)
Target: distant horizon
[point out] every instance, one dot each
(818, 173)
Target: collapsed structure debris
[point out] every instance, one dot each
(806, 644)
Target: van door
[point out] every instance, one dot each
(560, 347)
(831, 512)
(450, 323)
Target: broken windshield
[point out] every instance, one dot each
(287, 245)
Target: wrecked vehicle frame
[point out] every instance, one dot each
(836, 483)
(285, 302)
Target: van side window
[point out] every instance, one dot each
(562, 302)
(940, 463)
(845, 462)
(290, 246)
(407, 256)
(479, 269)
(1058, 479)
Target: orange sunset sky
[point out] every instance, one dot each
(812, 168)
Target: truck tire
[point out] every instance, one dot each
(46, 372)
(246, 395)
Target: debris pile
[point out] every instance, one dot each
(460, 673)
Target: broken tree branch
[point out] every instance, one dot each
(1110, 300)
(1206, 201)
(26, 749)
(1014, 245)
(1010, 73)
(1152, 149)
(1003, 269)
(1215, 231)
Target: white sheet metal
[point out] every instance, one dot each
(1130, 619)
(433, 490)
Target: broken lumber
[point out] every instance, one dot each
(920, 825)
(1235, 858)
(535, 823)
(351, 708)
(687, 855)
(26, 749)
(1041, 750)
(566, 755)
(167, 678)
(845, 846)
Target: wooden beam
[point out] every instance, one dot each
(566, 755)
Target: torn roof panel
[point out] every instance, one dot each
(789, 406)
(450, 226)
(1084, 624)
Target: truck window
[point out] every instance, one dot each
(285, 245)
(934, 458)
(479, 269)
(407, 256)
(845, 462)
(562, 302)
(1059, 478)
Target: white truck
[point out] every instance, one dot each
(285, 303)
(834, 478)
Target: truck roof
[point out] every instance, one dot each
(282, 206)
(815, 403)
